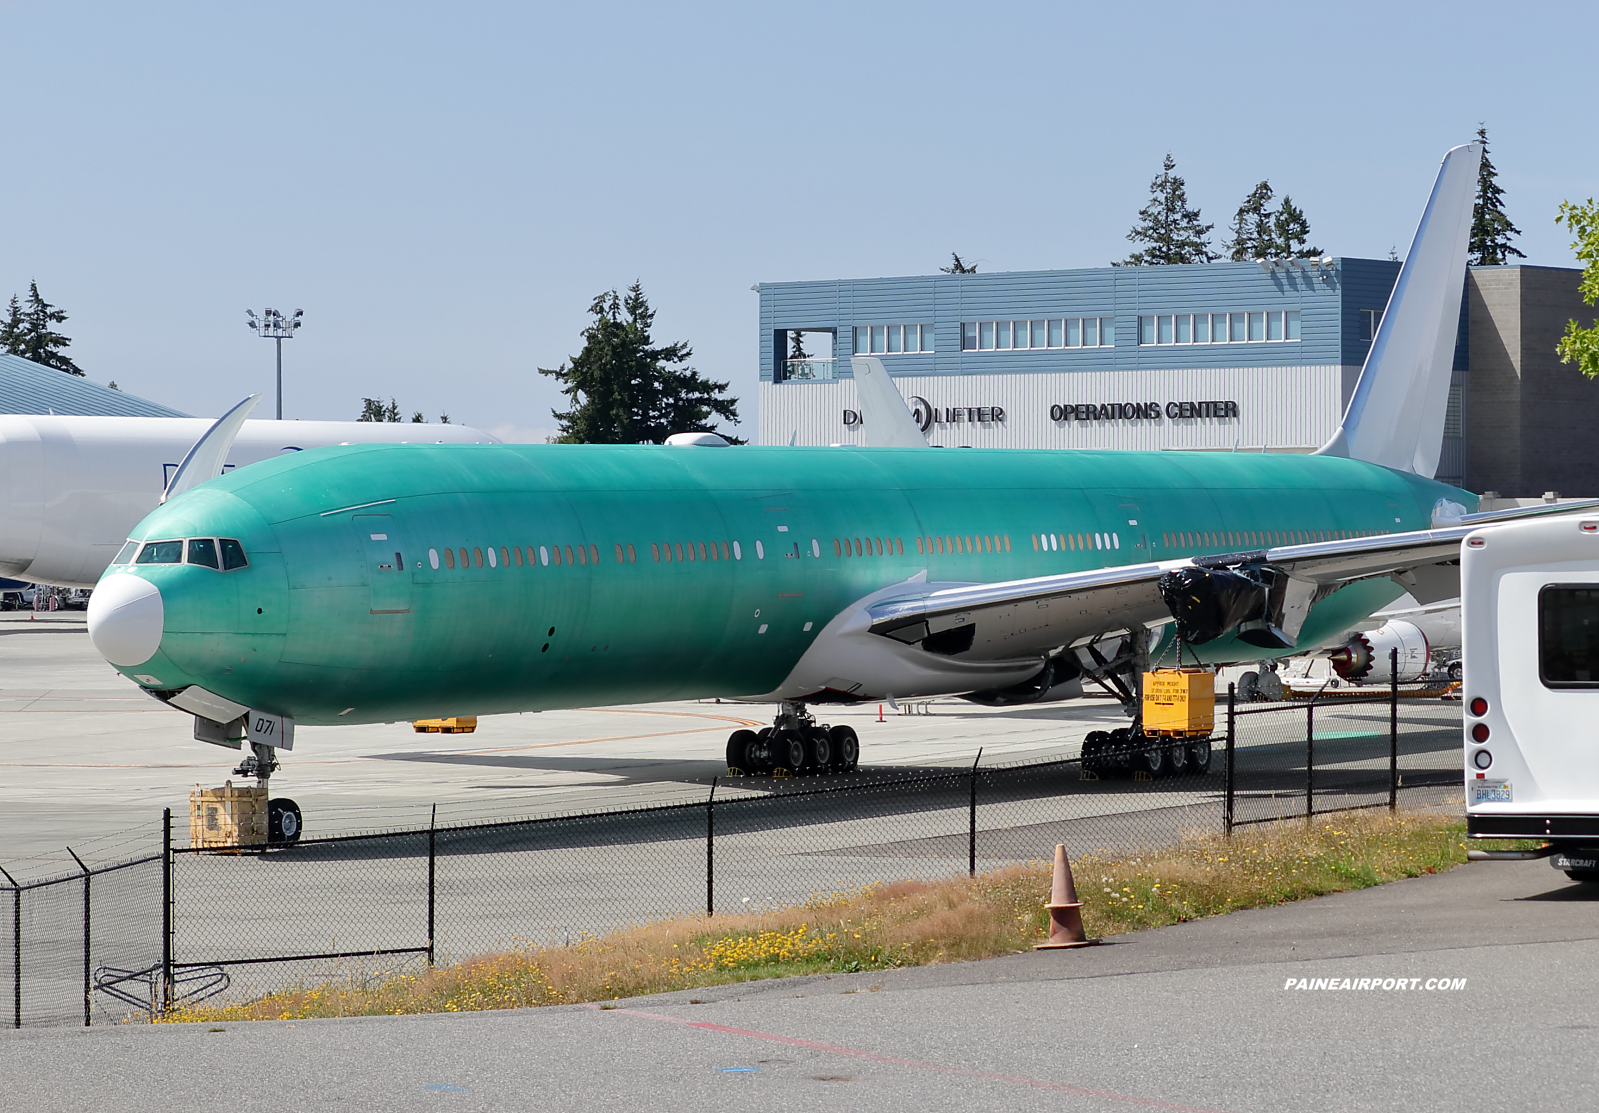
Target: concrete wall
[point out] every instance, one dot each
(1532, 421)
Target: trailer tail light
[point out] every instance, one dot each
(1479, 733)
(1479, 707)
(1482, 759)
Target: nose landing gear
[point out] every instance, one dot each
(795, 744)
(283, 815)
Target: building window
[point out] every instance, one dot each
(1369, 320)
(1049, 332)
(1272, 326)
(892, 339)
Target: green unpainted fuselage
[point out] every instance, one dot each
(320, 626)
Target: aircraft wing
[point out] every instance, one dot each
(1020, 617)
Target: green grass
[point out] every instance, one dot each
(905, 923)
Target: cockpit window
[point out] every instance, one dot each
(232, 554)
(203, 550)
(126, 555)
(161, 552)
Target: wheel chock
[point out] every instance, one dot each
(1065, 915)
(780, 771)
(1140, 775)
(1087, 775)
(734, 771)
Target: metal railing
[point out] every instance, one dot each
(809, 370)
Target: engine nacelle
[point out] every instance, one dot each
(1365, 656)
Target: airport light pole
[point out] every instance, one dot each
(272, 325)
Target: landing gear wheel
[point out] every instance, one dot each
(283, 822)
(1148, 758)
(1174, 762)
(1199, 756)
(791, 751)
(1093, 751)
(846, 749)
(819, 750)
(738, 750)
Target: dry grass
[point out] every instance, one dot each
(906, 923)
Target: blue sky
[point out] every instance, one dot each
(444, 188)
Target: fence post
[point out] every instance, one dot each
(433, 824)
(166, 909)
(16, 950)
(1310, 761)
(1393, 729)
(87, 1017)
(971, 837)
(710, 851)
(1227, 810)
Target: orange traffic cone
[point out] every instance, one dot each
(1065, 919)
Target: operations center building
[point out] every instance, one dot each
(1247, 357)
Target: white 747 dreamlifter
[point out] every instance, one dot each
(1530, 628)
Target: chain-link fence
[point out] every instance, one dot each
(186, 924)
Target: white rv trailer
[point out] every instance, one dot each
(1530, 626)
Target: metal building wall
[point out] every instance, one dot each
(1282, 408)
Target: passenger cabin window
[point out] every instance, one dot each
(1568, 636)
(203, 551)
(161, 552)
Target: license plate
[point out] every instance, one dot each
(1491, 792)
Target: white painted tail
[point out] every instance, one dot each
(1396, 415)
(886, 417)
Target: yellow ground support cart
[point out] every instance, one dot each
(1179, 703)
(459, 724)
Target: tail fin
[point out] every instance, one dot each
(885, 415)
(1396, 415)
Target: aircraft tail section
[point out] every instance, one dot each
(1396, 415)
(886, 416)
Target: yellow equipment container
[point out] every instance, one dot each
(460, 724)
(227, 817)
(1179, 702)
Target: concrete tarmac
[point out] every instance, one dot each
(1199, 1016)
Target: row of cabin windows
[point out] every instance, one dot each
(558, 555)
(1257, 538)
(1075, 542)
(968, 543)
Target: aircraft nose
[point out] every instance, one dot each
(126, 618)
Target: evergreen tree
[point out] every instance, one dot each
(626, 390)
(27, 332)
(958, 266)
(1251, 228)
(417, 418)
(796, 345)
(373, 409)
(1290, 232)
(1172, 230)
(1581, 345)
(1490, 227)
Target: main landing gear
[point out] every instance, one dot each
(795, 744)
(1130, 752)
(283, 815)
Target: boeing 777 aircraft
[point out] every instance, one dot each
(375, 583)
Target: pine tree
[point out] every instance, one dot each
(1251, 228)
(27, 332)
(1171, 229)
(1290, 232)
(796, 345)
(958, 266)
(373, 409)
(417, 418)
(626, 390)
(1490, 228)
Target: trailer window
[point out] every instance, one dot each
(1568, 636)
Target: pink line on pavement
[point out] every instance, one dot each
(914, 1064)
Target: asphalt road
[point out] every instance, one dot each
(1195, 1016)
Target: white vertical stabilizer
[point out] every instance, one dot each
(886, 417)
(1396, 415)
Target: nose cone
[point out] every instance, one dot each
(126, 618)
